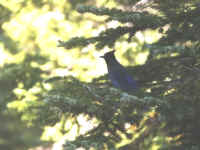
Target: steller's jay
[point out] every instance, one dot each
(118, 74)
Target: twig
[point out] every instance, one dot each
(91, 92)
(142, 5)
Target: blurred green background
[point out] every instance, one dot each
(29, 34)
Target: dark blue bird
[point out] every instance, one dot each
(118, 74)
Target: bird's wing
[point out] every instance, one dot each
(122, 78)
(114, 79)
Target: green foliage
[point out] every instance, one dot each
(96, 103)
(51, 94)
(138, 18)
(174, 59)
(104, 39)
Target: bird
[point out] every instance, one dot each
(118, 74)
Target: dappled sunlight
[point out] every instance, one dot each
(52, 133)
(140, 36)
(141, 57)
(69, 129)
(52, 77)
(86, 123)
(37, 32)
(137, 54)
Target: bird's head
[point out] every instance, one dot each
(109, 55)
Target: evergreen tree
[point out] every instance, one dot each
(163, 114)
(168, 115)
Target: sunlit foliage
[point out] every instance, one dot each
(54, 90)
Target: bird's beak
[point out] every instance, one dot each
(101, 56)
